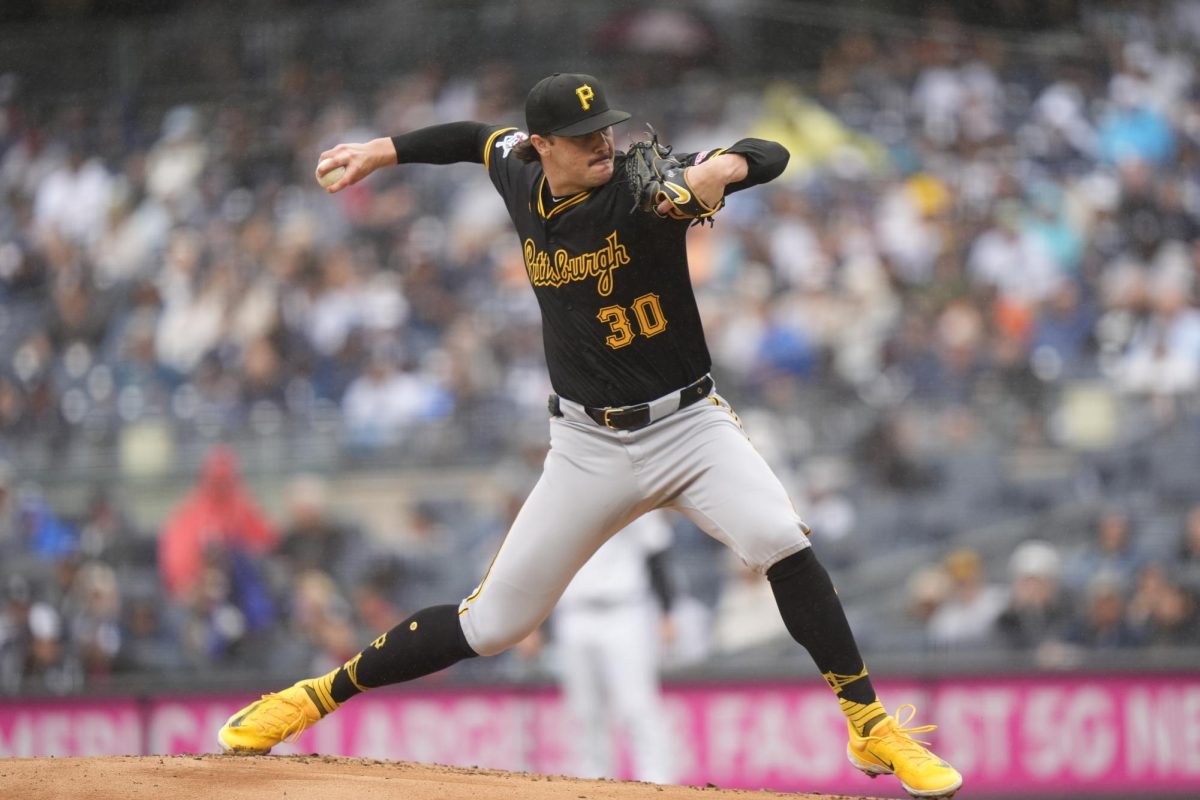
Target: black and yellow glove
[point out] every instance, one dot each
(654, 176)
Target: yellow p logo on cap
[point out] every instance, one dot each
(586, 96)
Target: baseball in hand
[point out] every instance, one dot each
(328, 177)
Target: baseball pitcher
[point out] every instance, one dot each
(635, 421)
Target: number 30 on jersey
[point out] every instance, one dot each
(647, 311)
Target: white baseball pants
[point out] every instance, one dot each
(596, 480)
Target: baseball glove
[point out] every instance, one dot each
(654, 175)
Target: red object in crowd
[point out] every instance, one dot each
(218, 514)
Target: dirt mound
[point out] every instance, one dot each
(211, 777)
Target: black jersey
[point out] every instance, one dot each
(619, 319)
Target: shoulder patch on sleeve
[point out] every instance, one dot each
(506, 144)
(505, 139)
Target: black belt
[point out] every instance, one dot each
(630, 418)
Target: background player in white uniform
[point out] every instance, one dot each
(608, 633)
(635, 424)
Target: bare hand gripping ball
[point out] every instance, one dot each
(328, 177)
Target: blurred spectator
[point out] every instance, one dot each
(904, 626)
(1038, 611)
(1189, 549)
(176, 161)
(411, 566)
(1063, 333)
(1163, 359)
(212, 628)
(93, 616)
(58, 586)
(1162, 611)
(49, 666)
(152, 645)
(1103, 624)
(195, 295)
(887, 452)
(106, 531)
(14, 632)
(1011, 260)
(314, 538)
(967, 616)
(1111, 551)
(321, 634)
(374, 608)
(74, 199)
(785, 350)
(1133, 130)
(33, 653)
(46, 534)
(10, 526)
(746, 615)
(384, 406)
(926, 589)
(217, 519)
(830, 514)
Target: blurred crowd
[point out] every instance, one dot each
(92, 600)
(962, 222)
(979, 245)
(222, 584)
(1116, 590)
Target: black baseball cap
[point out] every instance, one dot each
(569, 104)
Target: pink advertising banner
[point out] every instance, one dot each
(1070, 736)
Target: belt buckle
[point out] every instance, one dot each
(608, 424)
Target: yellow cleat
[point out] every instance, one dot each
(278, 717)
(890, 750)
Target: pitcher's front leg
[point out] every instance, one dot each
(585, 494)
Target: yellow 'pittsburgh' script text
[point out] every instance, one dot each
(565, 268)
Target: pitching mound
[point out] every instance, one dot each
(210, 777)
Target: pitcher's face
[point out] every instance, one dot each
(577, 163)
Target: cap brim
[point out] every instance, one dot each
(593, 123)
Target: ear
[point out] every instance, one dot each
(541, 143)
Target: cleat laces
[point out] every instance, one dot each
(900, 737)
(283, 713)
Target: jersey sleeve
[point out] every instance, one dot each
(455, 142)
(508, 173)
(765, 160)
(447, 143)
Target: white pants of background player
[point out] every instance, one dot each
(597, 480)
(606, 629)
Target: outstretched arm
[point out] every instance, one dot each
(747, 163)
(437, 144)
(765, 161)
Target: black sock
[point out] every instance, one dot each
(815, 618)
(428, 641)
